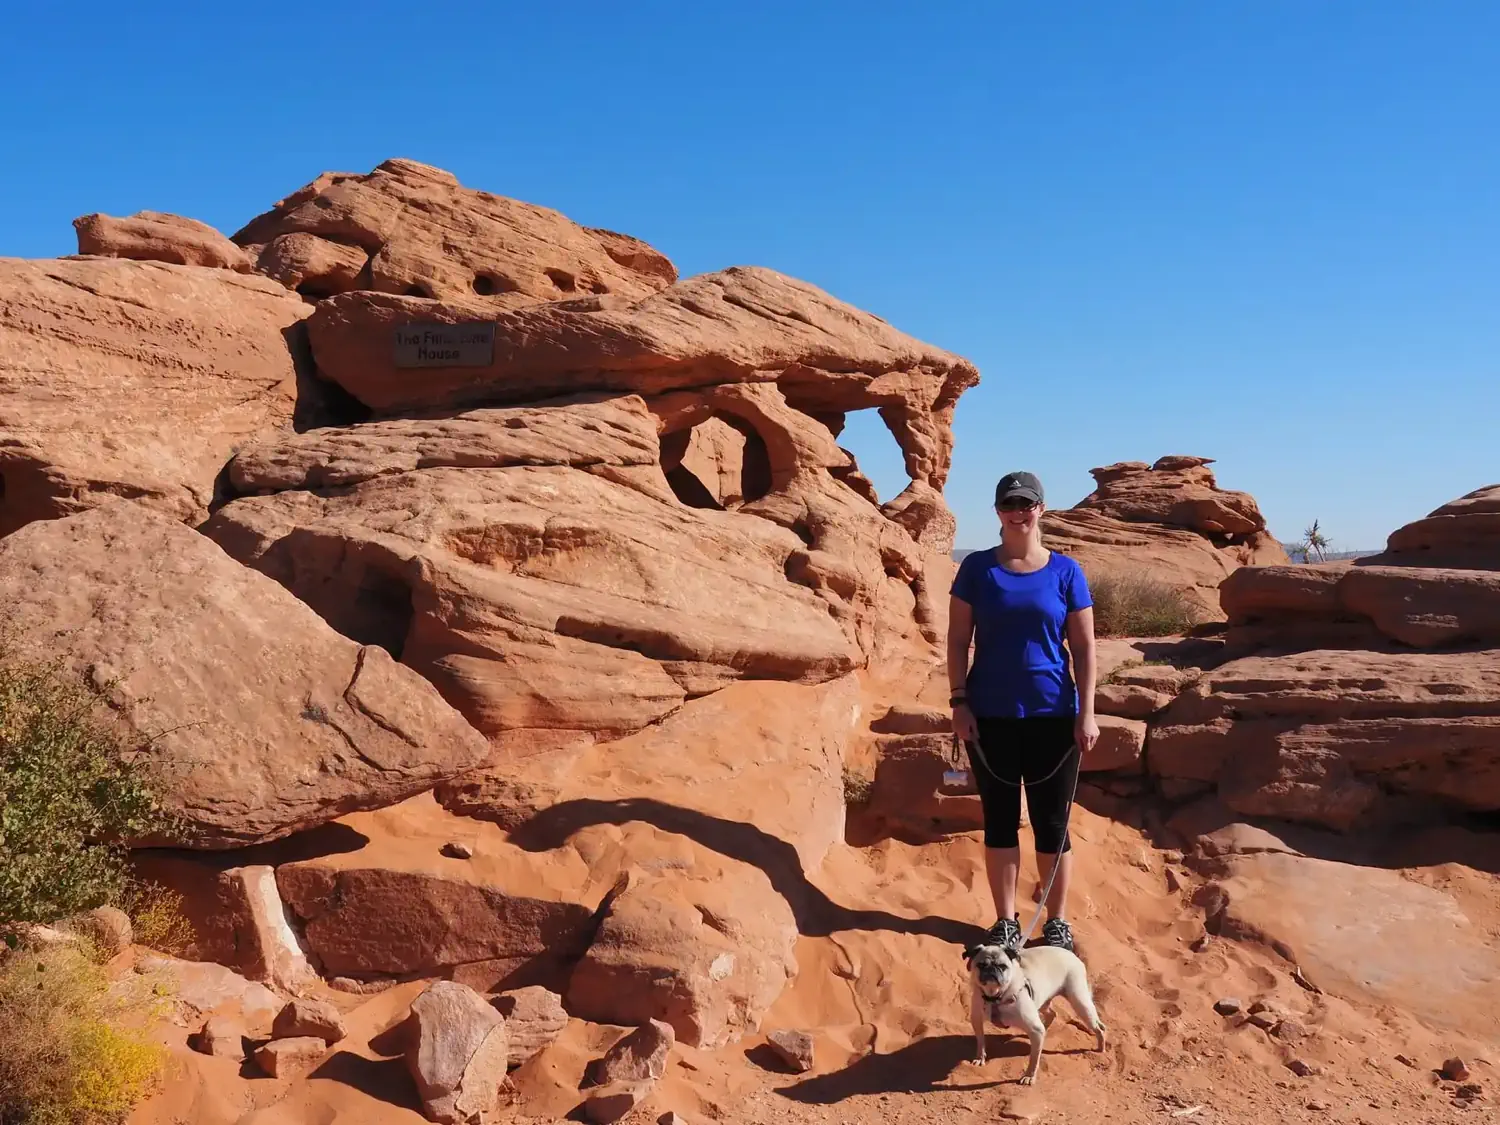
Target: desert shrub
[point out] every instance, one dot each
(76, 1048)
(857, 787)
(1134, 604)
(158, 918)
(69, 791)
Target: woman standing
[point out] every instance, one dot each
(1019, 702)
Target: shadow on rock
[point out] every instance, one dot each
(817, 915)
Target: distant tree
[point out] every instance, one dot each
(1314, 542)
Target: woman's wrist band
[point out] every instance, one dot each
(954, 701)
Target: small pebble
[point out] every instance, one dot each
(1203, 942)
(1228, 1006)
(1304, 1069)
(453, 849)
(1317, 1106)
(1174, 882)
(1407, 1060)
(1470, 1090)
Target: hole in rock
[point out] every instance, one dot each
(380, 613)
(418, 290)
(317, 289)
(489, 284)
(594, 285)
(877, 456)
(563, 280)
(721, 463)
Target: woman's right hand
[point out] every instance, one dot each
(963, 723)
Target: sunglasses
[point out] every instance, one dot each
(1017, 504)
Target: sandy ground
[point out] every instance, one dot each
(885, 1000)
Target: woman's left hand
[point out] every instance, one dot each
(1085, 733)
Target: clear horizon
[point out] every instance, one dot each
(1260, 232)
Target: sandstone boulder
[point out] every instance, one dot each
(457, 1053)
(260, 719)
(200, 988)
(534, 1017)
(221, 1037)
(291, 1058)
(1340, 738)
(136, 380)
(424, 233)
(610, 1103)
(305, 1017)
(706, 948)
(639, 1057)
(1169, 521)
(151, 236)
(313, 266)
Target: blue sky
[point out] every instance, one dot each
(1265, 231)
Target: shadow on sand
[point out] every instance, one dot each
(817, 915)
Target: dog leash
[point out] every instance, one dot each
(974, 752)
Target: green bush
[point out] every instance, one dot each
(1134, 604)
(76, 1046)
(69, 792)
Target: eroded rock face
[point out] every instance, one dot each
(261, 719)
(422, 232)
(546, 603)
(134, 380)
(1340, 738)
(1169, 520)
(152, 236)
(742, 325)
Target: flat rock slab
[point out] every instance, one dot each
(1366, 933)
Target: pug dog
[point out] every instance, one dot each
(1010, 989)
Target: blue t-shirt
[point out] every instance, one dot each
(1020, 622)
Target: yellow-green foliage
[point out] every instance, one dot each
(1131, 604)
(158, 919)
(69, 792)
(73, 1049)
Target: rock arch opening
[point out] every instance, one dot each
(879, 472)
(721, 463)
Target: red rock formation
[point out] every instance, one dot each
(417, 230)
(134, 379)
(151, 236)
(1376, 697)
(1169, 520)
(261, 719)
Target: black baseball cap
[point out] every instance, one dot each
(1023, 486)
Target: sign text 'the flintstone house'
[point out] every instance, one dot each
(445, 345)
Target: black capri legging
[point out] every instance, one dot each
(1039, 752)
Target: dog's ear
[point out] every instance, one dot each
(969, 952)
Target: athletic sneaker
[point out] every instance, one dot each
(1006, 932)
(1057, 932)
